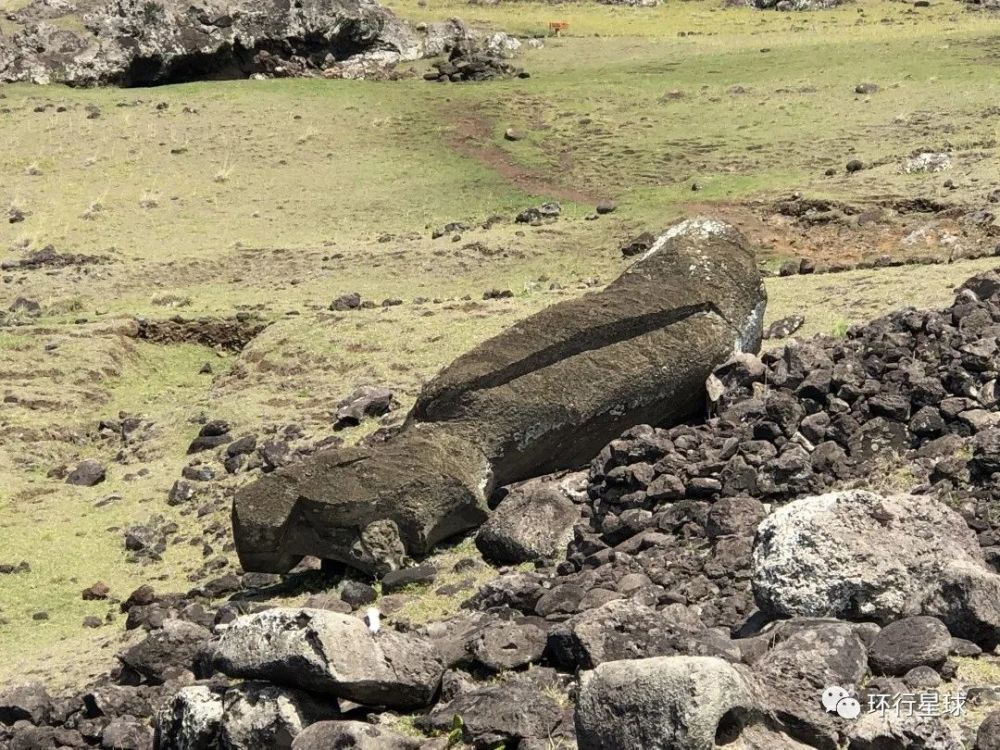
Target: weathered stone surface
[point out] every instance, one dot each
(30, 702)
(89, 472)
(177, 644)
(190, 720)
(533, 522)
(857, 555)
(326, 735)
(506, 714)
(367, 401)
(626, 629)
(133, 43)
(126, 733)
(549, 392)
(893, 731)
(368, 507)
(505, 645)
(805, 659)
(327, 652)
(663, 703)
(544, 395)
(988, 736)
(258, 715)
(908, 643)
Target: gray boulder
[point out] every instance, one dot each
(533, 522)
(178, 644)
(857, 555)
(88, 473)
(138, 43)
(872, 731)
(28, 702)
(545, 395)
(127, 733)
(988, 736)
(664, 703)
(503, 645)
(257, 715)
(367, 401)
(248, 716)
(333, 654)
(326, 735)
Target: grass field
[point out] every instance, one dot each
(275, 197)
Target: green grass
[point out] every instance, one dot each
(428, 606)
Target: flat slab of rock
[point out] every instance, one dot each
(28, 702)
(504, 714)
(327, 652)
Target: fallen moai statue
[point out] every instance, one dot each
(546, 394)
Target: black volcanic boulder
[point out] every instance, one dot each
(546, 394)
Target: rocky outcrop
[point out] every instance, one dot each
(149, 42)
(542, 396)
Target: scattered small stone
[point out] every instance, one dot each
(181, 492)
(498, 294)
(350, 301)
(535, 215)
(96, 592)
(396, 580)
(638, 245)
(88, 473)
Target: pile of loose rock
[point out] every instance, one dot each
(472, 61)
(827, 531)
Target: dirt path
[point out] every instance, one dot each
(473, 139)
